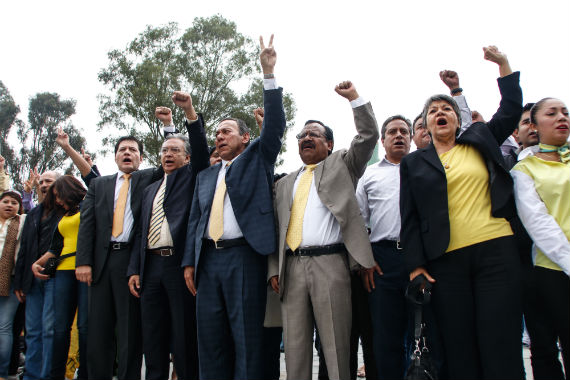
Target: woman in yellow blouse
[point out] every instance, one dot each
(542, 194)
(70, 295)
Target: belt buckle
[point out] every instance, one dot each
(216, 244)
(116, 246)
(398, 246)
(165, 252)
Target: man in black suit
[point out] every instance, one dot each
(168, 307)
(109, 215)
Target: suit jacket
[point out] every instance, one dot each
(423, 183)
(335, 179)
(177, 200)
(249, 183)
(97, 217)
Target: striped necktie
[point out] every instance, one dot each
(295, 229)
(157, 216)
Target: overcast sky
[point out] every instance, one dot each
(391, 50)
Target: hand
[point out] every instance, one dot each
(184, 101)
(275, 283)
(267, 57)
(450, 79)
(86, 157)
(492, 53)
(83, 274)
(164, 114)
(36, 182)
(29, 183)
(421, 270)
(37, 269)
(189, 278)
(20, 295)
(476, 116)
(62, 138)
(135, 285)
(2, 163)
(367, 275)
(258, 113)
(347, 90)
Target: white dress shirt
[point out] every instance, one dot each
(128, 219)
(378, 195)
(320, 227)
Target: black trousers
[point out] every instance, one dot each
(477, 300)
(547, 321)
(114, 323)
(169, 320)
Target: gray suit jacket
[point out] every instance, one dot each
(335, 179)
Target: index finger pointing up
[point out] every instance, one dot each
(261, 42)
(271, 41)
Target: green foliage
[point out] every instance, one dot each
(37, 138)
(209, 60)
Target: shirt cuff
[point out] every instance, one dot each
(357, 102)
(270, 84)
(460, 100)
(169, 128)
(190, 121)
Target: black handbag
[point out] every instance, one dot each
(421, 365)
(52, 263)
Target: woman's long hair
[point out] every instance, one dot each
(70, 190)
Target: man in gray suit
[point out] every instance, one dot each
(319, 223)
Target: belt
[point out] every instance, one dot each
(226, 243)
(117, 246)
(395, 244)
(165, 251)
(317, 250)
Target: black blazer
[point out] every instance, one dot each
(423, 184)
(177, 200)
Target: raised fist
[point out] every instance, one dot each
(492, 53)
(163, 114)
(347, 90)
(450, 78)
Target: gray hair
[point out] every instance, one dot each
(184, 139)
(449, 100)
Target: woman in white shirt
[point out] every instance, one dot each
(11, 223)
(542, 194)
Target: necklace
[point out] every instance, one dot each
(447, 158)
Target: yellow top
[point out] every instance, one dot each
(68, 228)
(469, 199)
(552, 184)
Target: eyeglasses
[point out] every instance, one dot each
(173, 150)
(311, 134)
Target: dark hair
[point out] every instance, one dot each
(211, 150)
(16, 195)
(129, 138)
(329, 135)
(185, 140)
(449, 100)
(392, 118)
(528, 107)
(70, 190)
(242, 126)
(535, 108)
(414, 123)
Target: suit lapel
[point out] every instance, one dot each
(110, 193)
(288, 189)
(208, 185)
(318, 174)
(429, 154)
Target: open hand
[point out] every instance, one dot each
(347, 90)
(86, 157)
(135, 285)
(189, 278)
(267, 57)
(367, 275)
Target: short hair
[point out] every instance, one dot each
(329, 135)
(449, 100)
(528, 107)
(392, 118)
(185, 141)
(70, 190)
(536, 107)
(414, 123)
(242, 127)
(128, 138)
(17, 196)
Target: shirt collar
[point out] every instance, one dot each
(386, 161)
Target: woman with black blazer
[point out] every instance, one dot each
(456, 197)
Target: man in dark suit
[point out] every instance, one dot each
(231, 231)
(168, 307)
(109, 215)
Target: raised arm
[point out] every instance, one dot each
(78, 160)
(274, 119)
(363, 144)
(451, 80)
(506, 119)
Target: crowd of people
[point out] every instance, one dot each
(211, 261)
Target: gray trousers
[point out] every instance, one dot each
(317, 290)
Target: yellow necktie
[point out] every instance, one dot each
(119, 214)
(157, 216)
(216, 229)
(295, 229)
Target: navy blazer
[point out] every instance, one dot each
(177, 200)
(423, 184)
(249, 183)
